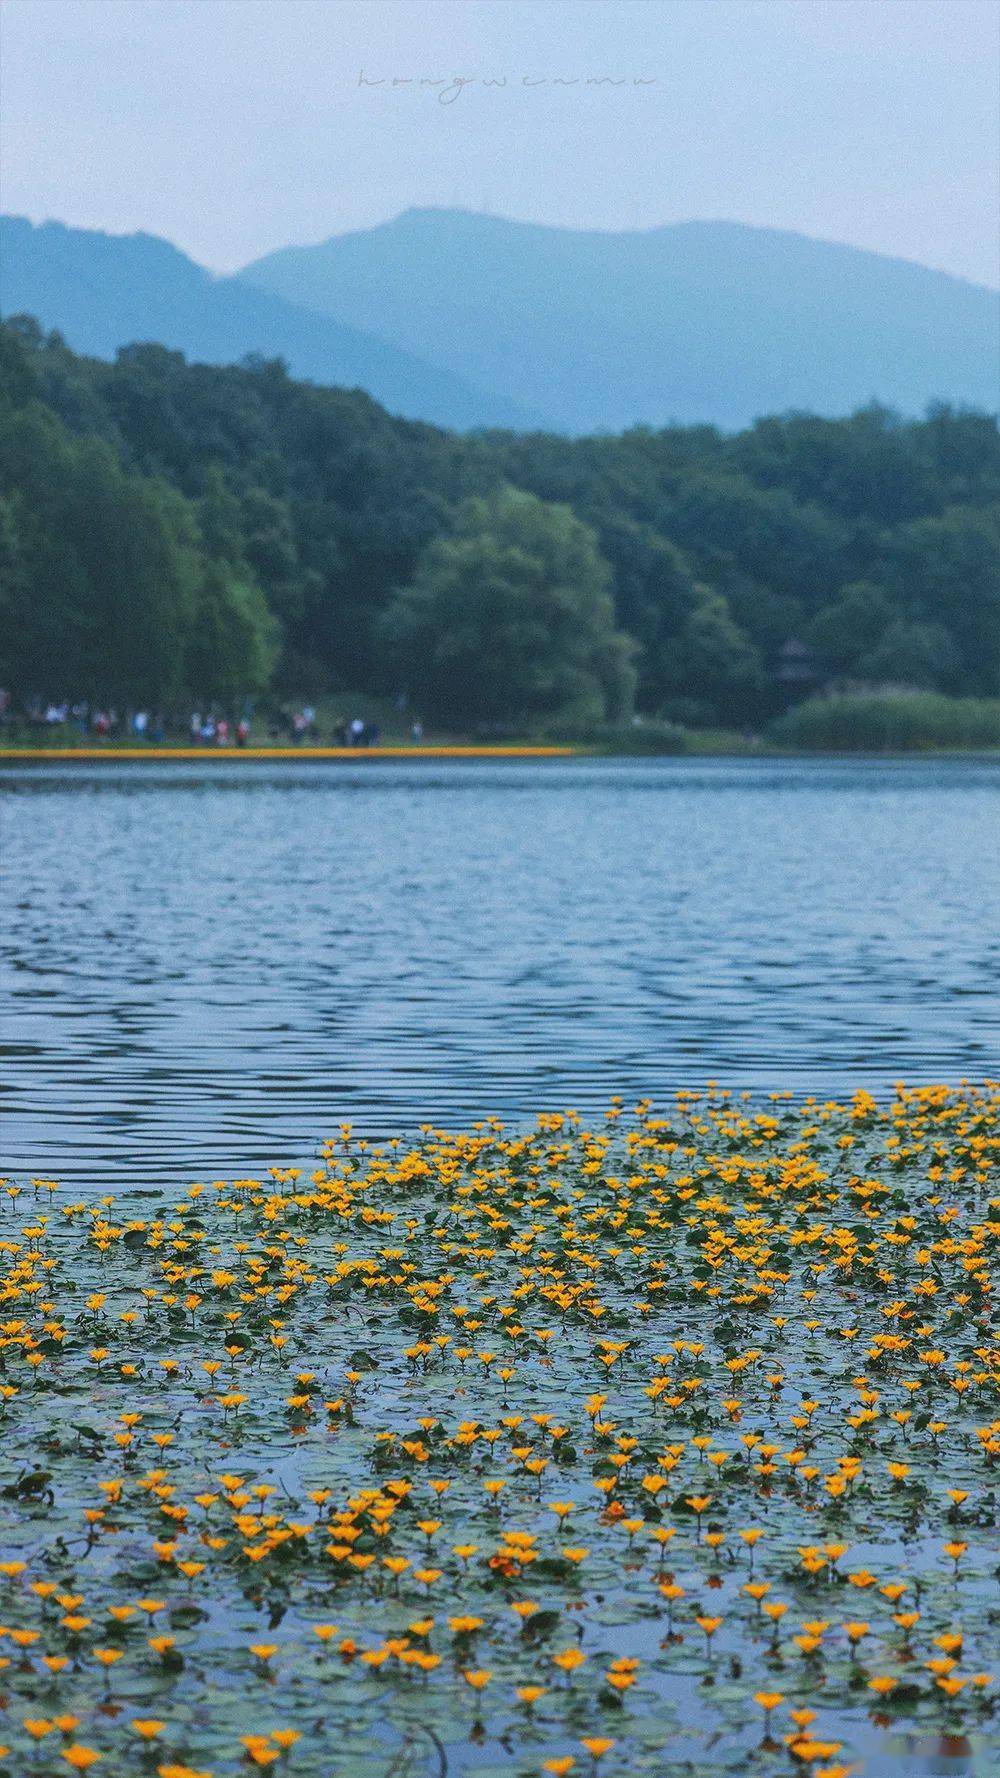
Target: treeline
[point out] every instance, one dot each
(172, 531)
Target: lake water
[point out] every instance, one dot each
(207, 967)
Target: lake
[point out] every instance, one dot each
(207, 967)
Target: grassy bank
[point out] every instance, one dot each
(862, 723)
(901, 722)
(667, 1444)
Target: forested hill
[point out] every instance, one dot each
(692, 322)
(103, 291)
(171, 530)
(468, 320)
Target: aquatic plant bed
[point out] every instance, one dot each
(663, 1444)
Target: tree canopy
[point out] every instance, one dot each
(509, 619)
(173, 530)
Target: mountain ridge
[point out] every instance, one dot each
(470, 320)
(692, 223)
(694, 321)
(104, 291)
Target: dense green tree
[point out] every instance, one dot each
(107, 563)
(796, 549)
(106, 593)
(230, 643)
(847, 630)
(873, 540)
(509, 620)
(909, 653)
(946, 572)
(711, 666)
(27, 638)
(655, 595)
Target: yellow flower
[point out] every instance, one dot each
(147, 1727)
(569, 1660)
(619, 1682)
(530, 1694)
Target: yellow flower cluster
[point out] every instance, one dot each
(536, 1449)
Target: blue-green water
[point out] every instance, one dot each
(207, 967)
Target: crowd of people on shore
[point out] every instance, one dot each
(88, 720)
(204, 729)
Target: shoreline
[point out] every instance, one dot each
(227, 754)
(17, 755)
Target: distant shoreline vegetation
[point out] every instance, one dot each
(900, 723)
(179, 537)
(885, 725)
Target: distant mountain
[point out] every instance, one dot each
(104, 291)
(469, 320)
(698, 321)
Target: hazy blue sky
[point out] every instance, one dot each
(235, 126)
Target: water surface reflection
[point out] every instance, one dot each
(208, 966)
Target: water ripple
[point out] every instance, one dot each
(206, 967)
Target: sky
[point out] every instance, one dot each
(233, 127)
